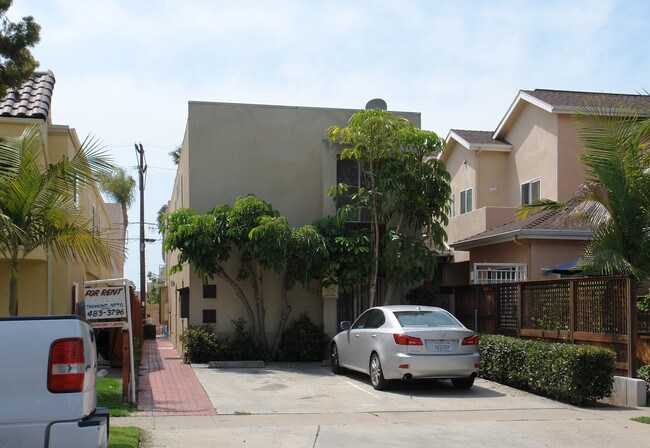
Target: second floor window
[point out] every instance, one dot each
(349, 173)
(452, 206)
(466, 201)
(530, 191)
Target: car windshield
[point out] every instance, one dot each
(425, 319)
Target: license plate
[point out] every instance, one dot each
(441, 346)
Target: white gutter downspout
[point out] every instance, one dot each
(515, 239)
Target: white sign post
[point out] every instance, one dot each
(108, 302)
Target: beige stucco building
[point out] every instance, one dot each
(47, 285)
(532, 154)
(281, 155)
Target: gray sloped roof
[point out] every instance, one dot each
(480, 137)
(32, 99)
(575, 99)
(549, 225)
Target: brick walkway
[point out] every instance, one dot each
(167, 386)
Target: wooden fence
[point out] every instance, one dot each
(594, 311)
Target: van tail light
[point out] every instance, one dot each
(66, 367)
(471, 340)
(402, 339)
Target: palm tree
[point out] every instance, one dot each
(176, 155)
(38, 207)
(119, 187)
(615, 197)
(162, 211)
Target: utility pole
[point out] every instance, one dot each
(142, 169)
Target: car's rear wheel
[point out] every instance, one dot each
(376, 374)
(463, 383)
(334, 360)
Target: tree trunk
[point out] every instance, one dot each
(13, 289)
(372, 289)
(221, 273)
(255, 271)
(125, 223)
(390, 286)
(284, 316)
(125, 219)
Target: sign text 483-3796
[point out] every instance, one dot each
(107, 302)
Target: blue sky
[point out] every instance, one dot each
(125, 70)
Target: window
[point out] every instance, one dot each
(425, 319)
(486, 273)
(209, 316)
(376, 320)
(466, 201)
(361, 321)
(209, 291)
(179, 193)
(452, 206)
(349, 173)
(530, 191)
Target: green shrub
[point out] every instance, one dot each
(302, 340)
(643, 372)
(241, 347)
(199, 344)
(575, 374)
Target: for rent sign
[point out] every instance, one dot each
(106, 302)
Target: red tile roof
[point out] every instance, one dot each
(32, 99)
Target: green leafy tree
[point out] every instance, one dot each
(38, 207)
(261, 235)
(202, 241)
(306, 258)
(347, 263)
(16, 61)
(265, 242)
(153, 295)
(615, 196)
(405, 190)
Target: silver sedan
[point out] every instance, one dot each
(406, 342)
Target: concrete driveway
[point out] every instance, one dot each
(305, 405)
(311, 388)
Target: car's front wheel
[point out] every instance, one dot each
(463, 383)
(376, 374)
(334, 360)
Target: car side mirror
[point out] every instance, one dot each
(345, 325)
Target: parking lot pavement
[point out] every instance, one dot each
(305, 405)
(311, 388)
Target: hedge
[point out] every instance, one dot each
(575, 374)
